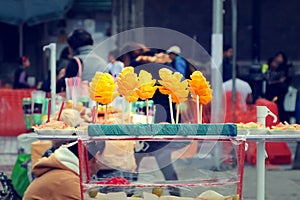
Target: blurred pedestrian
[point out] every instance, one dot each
(131, 51)
(20, 79)
(282, 59)
(276, 86)
(178, 63)
(114, 66)
(60, 73)
(66, 53)
(81, 45)
(243, 88)
(227, 65)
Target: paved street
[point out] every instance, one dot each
(281, 183)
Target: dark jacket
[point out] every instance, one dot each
(20, 79)
(91, 63)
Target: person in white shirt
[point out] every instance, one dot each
(114, 66)
(242, 87)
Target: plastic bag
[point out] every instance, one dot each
(19, 174)
(290, 99)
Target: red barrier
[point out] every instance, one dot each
(243, 112)
(11, 111)
(279, 153)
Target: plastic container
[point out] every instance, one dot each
(27, 111)
(38, 100)
(156, 166)
(85, 100)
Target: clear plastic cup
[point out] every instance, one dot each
(38, 99)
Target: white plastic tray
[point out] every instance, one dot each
(53, 132)
(253, 131)
(284, 132)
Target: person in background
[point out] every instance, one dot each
(160, 150)
(81, 45)
(57, 176)
(227, 65)
(178, 63)
(287, 68)
(276, 86)
(282, 61)
(114, 66)
(60, 72)
(243, 88)
(66, 54)
(132, 51)
(20, 79)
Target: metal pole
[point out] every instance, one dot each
(260, 160)
(114, 18)
(234, 46)
(260, 167)
(217, 114)
(21, 40)
(256, 13)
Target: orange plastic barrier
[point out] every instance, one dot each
(243, 113)
(11, 111)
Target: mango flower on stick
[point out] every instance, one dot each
(146, 88)
(173, 86)
(146, 85)
(128, 87)
(201, 92)
(128, 84)
(102, 89)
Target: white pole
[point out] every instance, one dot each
(52, 62)
(217, 114)
(217, 57)
(260, 167)
(261, 156)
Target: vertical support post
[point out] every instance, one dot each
(234, 46)
(114, 17)
(217, 114)
(256, 13)
(260, 168)
(216, 66)
(21, 40)
(260, 157)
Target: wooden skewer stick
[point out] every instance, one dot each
(171, 109)
(201, 110)
(198, 109)
(177, 112)
(147, 111)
